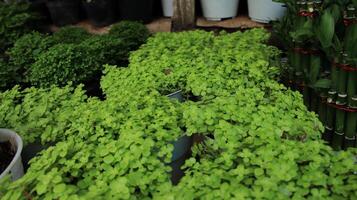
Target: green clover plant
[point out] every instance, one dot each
(259, 140)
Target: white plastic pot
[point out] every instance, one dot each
(216, 10)
(168, 7)
(265, 11)
(15, 168)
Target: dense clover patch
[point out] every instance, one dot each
(260, 140)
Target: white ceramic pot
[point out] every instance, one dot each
(216, 10)
(15, 168)
(168, 7)
(265, 11)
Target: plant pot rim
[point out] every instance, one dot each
(14, 138)
(171, 94)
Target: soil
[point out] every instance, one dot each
(6, 155)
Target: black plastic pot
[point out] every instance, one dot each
(39, 6)
(100, 12)
(30, 151)
(93, 89)
(64, 12)
(136, 10)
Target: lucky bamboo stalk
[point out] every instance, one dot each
(338, 137)
(340, 116)
(330, 123)
(314, 101)
(337, 141)
(351, 125)
(306, 63)
(327, 136)
(353, 103)
(307, 95)
(351, 87)
(331, 112)
(299, 69)
(292, 57)
(342, 84)
(322, 113)
(305, 67)
(342, 88)
(322, 108)
(334, 83)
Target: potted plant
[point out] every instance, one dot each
(10, 154)
(217, 10)
(100, 12)
(137, 10)
(64, 12)
(168, 7)
(265, 11)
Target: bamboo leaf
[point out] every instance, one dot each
(350, 42)
(326, 29)
(322, 83)
(315, 68)
(335, 11)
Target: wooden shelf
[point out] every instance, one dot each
(164, 25)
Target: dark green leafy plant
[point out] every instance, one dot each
(7, 75)
(25, 52)
(70, 54)
(15, 19)
(108, 49)
(132, 33)
(63, 63)
(70, 35)
(30, 47)
(78, 63)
